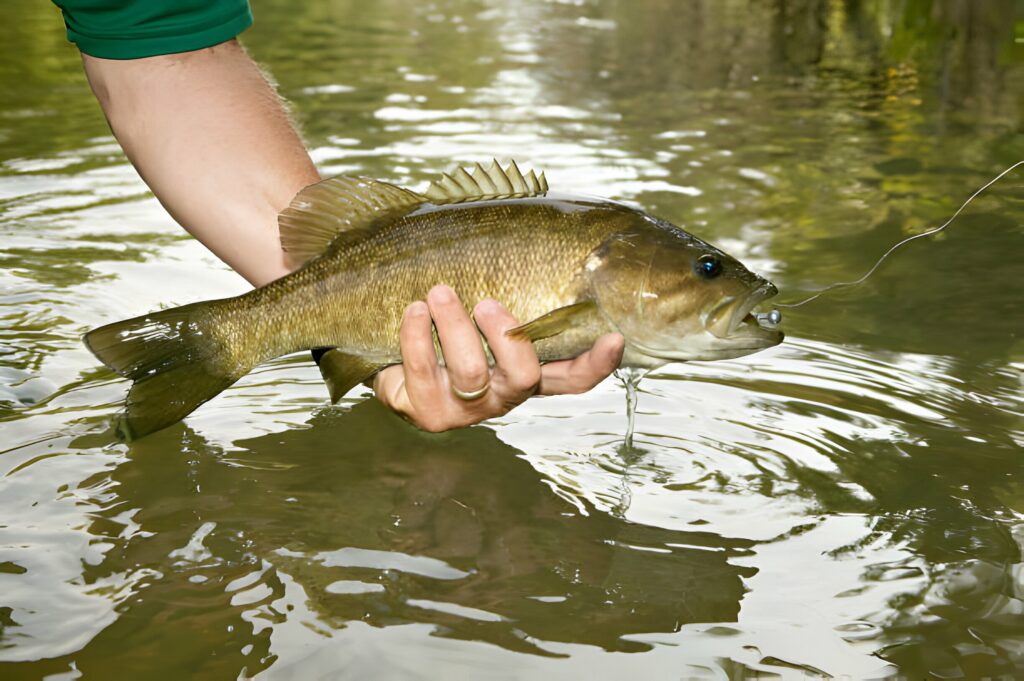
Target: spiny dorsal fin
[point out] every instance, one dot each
(483, 184)
(321, 212)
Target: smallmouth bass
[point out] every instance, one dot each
(572, 268)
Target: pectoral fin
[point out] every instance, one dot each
(554, 322)
(342, 371)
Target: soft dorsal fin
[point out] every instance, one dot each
(483, 184)
(322, 212)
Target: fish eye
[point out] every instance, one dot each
(708, 266)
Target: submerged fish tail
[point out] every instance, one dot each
(178, 359)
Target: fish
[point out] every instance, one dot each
(571, 267)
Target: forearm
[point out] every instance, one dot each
(210, 137)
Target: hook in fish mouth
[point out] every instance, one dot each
(729, 330)
(728, 317)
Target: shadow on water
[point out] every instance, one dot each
(375, 522)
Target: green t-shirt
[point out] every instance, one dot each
(130, 29)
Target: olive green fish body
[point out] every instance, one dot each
(527, 253)
(570, 268)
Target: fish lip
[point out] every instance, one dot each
(732, 350)
(766, 291)
(739, 312)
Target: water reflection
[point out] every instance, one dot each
(376, 522)
(867, 474)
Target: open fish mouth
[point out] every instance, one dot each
(733, 316)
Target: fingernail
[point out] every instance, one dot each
(442, 294)
(487, 306)
(415, 308)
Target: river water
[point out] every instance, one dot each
(850, 503)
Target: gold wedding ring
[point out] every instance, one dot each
(472, 394)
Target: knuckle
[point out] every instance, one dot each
(419, 370)
(526, 379)
(475, 374)
(392, 394)
(383, 391)
(431, 424)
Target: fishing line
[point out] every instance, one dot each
(774, 317)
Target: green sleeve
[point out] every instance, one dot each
(130, 29)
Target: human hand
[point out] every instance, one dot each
(423, 391)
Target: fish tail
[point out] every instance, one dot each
(178, 359)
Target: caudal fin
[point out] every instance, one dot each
(175, 360)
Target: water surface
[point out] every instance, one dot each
(849, 503)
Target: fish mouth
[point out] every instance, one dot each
(732, 317)
(730, 331)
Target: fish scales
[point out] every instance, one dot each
(570, 268)
(527, 253)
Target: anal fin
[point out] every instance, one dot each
(342, 371)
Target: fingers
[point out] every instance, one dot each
(389, 388)
(460, 342)
(421, 389)
(422, 375)
(583, 373)
(517, 370)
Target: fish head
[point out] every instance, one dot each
(676, 298)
